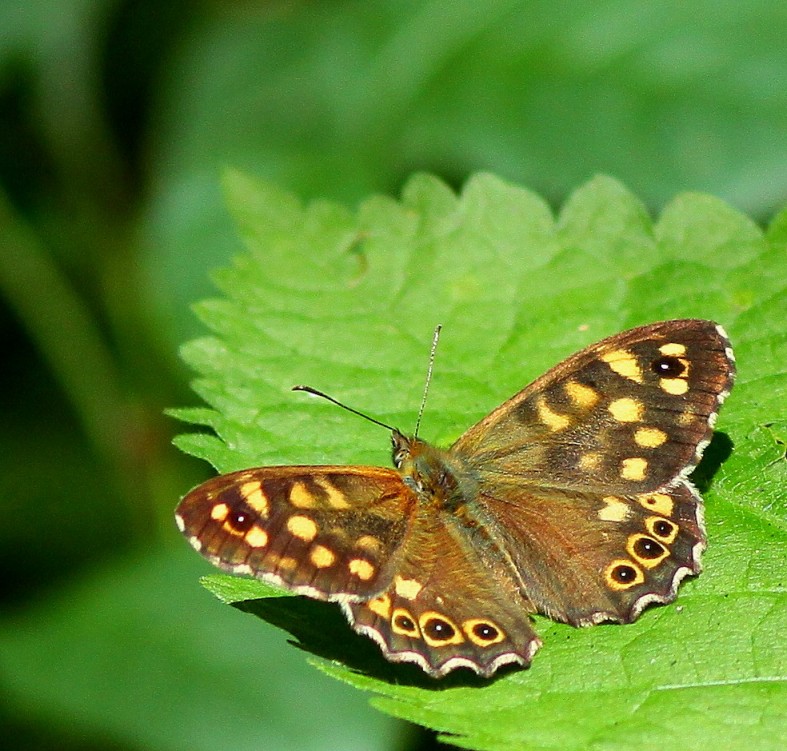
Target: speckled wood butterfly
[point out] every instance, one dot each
(571, 499)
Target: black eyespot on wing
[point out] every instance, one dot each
(662, 528)
(438, 629)
(485, 631)
(240, 519)
(648, 549)
(624, 574)
(668, 367)
(404, 623)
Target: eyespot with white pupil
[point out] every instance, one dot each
(624, 574)
(438, 629)
(648, 549)
(240, 520)
(485, 631)
(404, 623)
(668, 367)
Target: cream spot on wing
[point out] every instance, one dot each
(302, 527)
(615, 510)
(336, 499)
(301, 497)
(219, 512)
(369, 543)
(321, 557)
(256, 537)
(661, 503)
(676, 386)
(686, 418)
(673, 349)
(551, 419)
(380, 606)
(626, 409)
(650, 438)
(634, 469)
(623, 363)
(590, 460)
(407, 588)
(255, 498)
(583, 396)
(361, 568)
(287, 563)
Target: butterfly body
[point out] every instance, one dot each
(571, 499)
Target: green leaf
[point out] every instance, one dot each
(347, 301)
(665, 95)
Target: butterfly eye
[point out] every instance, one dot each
(668, 367)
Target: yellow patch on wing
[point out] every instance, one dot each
(624, 363)
(634, 469)
(581, 395)
(661, 503)
(255, 498)
(626, 409)
(301, 496)
(675, 386)
(256, 537)
(321, 557)
(615, 510)
(219, 512)
(302, 527)
(407, 588)
(336, 499)
(672, 349)
(650, 438)
(553, 420)
(361, 568)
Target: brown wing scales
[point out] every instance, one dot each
(329, 532)
(585, 558)
(453, 603)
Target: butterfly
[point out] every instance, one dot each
(571, 499)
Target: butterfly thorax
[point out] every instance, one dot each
(439, 478)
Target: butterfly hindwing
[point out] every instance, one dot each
(453, 602)
(584, 558)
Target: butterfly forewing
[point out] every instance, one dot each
(625, 415)
(329, 532)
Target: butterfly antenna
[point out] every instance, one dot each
(432, 351)
(315, 392)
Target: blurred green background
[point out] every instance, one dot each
(116, 121)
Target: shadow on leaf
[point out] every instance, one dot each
(320, 629)
(716, 453)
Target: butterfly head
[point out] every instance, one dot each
(401, 448)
